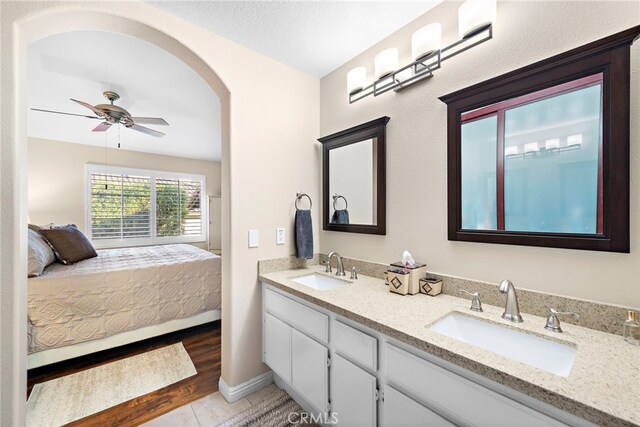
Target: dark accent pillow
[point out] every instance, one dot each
(68, 243)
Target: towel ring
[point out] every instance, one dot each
(300, 195)
(336, 196)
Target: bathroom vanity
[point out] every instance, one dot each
(369, 357)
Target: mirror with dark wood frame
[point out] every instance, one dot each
(540, 156)
(353, 179)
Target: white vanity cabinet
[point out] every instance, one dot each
(277, 346)
(354, 394)
(310, 370)
(337, 367)
(291, 347)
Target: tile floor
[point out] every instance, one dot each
(209, 411)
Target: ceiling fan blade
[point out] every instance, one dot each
(146, 130)
(102, 127)
(150, 121)
(89, 106)
(68, 114)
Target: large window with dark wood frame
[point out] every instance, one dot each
(540, 156)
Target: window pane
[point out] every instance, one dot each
(479, 142)
(552, 149)
(169, 210)
(193, 220)
(106, 206)
(119, 206)
(178, 207)
(136, 200)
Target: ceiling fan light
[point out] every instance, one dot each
(474, 16)
(426, 40)
(356, 80)
(386, 62)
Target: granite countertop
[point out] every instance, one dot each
(602, 387)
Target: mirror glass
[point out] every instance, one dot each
(352, 182)
(534, 163)
(353, 179)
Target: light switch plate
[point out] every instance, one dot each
(280, 236)
(254, 238)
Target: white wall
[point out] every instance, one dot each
(526, 31)
(269, 133)
(56, 173)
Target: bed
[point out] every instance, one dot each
(121, 296)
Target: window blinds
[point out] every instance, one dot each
(124, 206)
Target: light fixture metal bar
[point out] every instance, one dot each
(422, 68)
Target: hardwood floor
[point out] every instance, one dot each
(201, 342)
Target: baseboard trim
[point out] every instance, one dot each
(233, 394)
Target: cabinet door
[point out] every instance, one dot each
(277, 346)
(310, 374)
(400, 410)
(353, 394)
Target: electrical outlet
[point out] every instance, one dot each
(254, 238)
(279, 236)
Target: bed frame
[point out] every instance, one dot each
(47, 357)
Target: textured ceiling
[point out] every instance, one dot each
(150, 81)
(313, 36)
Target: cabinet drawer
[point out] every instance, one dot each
(301, 317)
(399, 410)
(460, 400)
(355, 345)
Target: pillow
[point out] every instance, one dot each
(68, 243)
(40, 254)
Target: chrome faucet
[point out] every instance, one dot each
(511, 309)
(340, 266)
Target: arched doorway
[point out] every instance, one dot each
(13, 209)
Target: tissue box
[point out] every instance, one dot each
(431, 286)
(398, 281)
(416, 272)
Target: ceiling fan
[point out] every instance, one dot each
(112, 114)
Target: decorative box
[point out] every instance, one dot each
(398, 281)
(431, 286)
(416, 273)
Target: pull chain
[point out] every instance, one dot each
(118, 135)
(106, 161)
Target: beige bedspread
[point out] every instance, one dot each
(120, 290)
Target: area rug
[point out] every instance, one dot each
(75, 396)
(277, 410)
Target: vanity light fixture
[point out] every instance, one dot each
(475, 26)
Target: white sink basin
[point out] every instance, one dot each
(319, 282)
(536, 351)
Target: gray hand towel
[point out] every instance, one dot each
(340, 216)
(304, 234)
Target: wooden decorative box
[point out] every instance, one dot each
(431, 286)
(398, 281)
(416, 272)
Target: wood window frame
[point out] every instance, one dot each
(610, 57)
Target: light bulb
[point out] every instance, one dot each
(475, 15)
(426, 40)
(386, 62)
(356, 80)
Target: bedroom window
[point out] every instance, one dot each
(132, 207)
